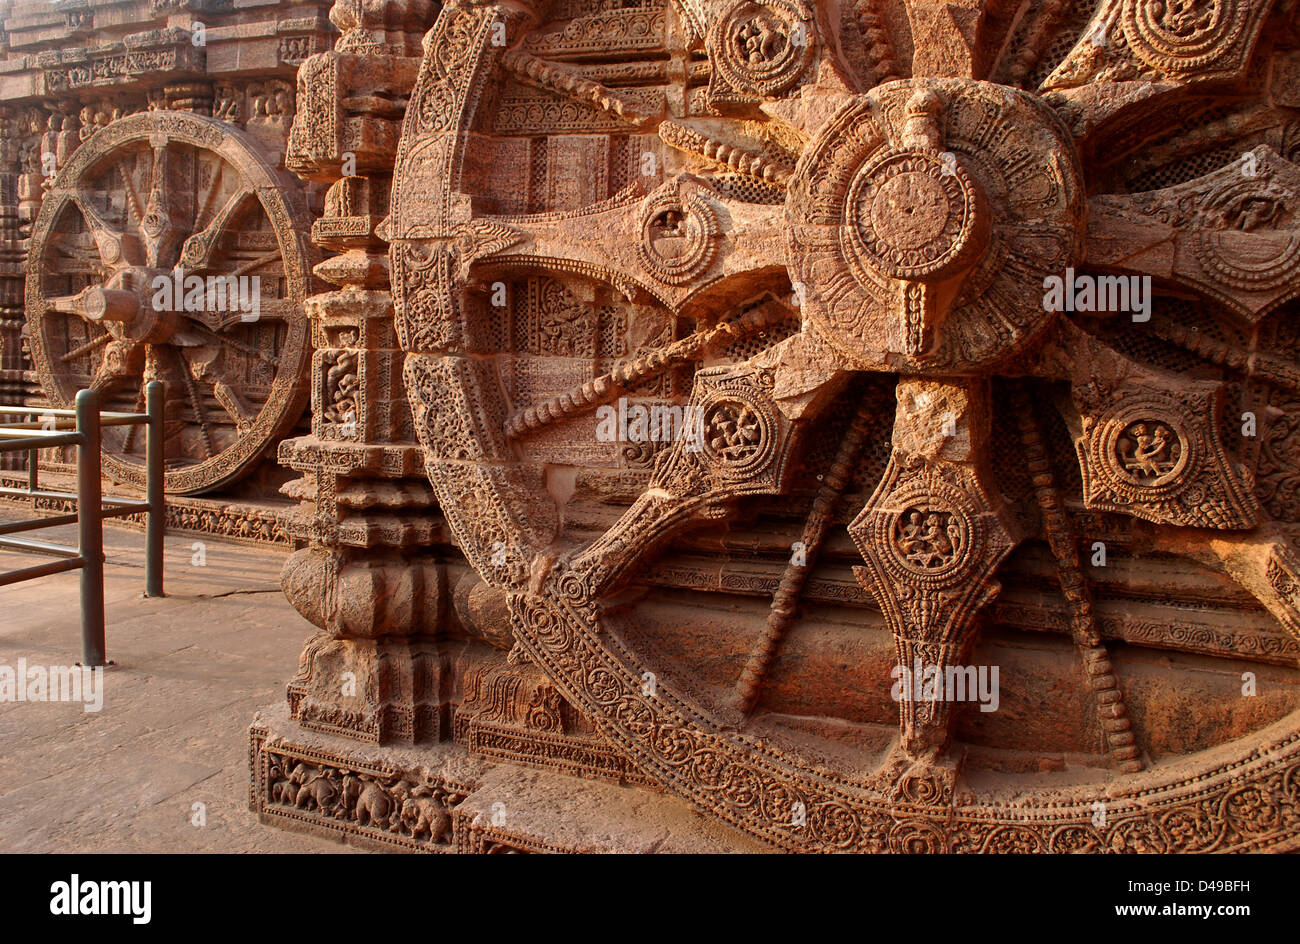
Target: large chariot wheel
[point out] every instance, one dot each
(752, 370)
(169, 249)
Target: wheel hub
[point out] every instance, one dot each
(907, 191)
(125, 307)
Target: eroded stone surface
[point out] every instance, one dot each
(688, 370)
(891, 275)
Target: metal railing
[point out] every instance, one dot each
(92, 505)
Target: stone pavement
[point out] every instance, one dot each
(192, 669)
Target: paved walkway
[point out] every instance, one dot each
(191, 670)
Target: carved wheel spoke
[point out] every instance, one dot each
(781, 616)
(83, 349)
(197, 250)
(1134, 52)
(668, 245)
(79, 258)
(113, 250)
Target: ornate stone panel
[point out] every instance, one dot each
(795, 233)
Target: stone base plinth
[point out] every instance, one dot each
(439, 799)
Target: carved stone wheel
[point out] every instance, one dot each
(893, 447)
(169, 249)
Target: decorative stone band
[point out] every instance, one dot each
(1243, 797)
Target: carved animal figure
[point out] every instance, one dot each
(283, 790)
(375, 806)
(348, 794)
(317, 789)
(426, 815)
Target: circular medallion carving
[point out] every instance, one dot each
(1182, 35)
(929, 541)
(678, 237)
(917, 837)
(929, 535)
(1250, 238)
(738, 434)
(1148, 452)
(911, 215)
(763, 47)
(1144, 451)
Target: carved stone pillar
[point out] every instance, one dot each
(369, 572)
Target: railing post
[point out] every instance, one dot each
(156, 521)
(33, 468)
(90, 533)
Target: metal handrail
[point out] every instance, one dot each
(92, 505)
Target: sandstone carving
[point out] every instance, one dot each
(870, 425)
(200, 205)
(152, 233)
(760, 353)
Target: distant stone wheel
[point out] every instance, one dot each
(169, 249)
